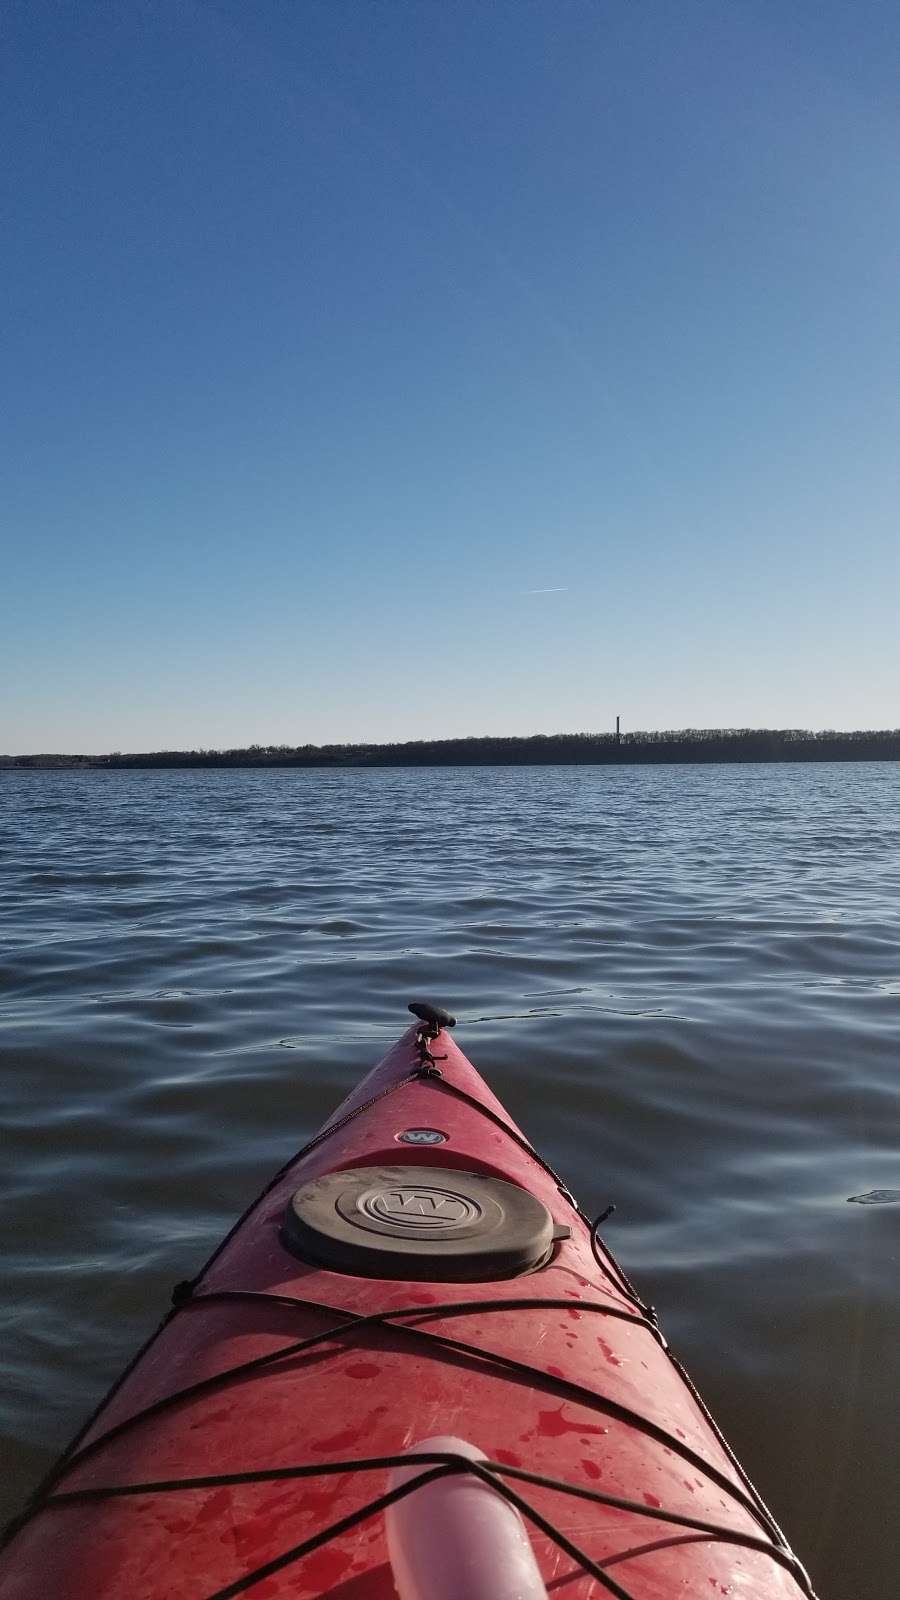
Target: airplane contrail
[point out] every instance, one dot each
(563, 590)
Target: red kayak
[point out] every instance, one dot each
(417, 1276)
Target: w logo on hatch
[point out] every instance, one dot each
(422, 1204)
(421, 1208)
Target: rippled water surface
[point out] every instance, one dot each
(684, 982)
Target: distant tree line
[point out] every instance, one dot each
(539, 749)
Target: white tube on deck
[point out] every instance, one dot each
(457, 1538)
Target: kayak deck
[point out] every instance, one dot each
(269, 1405)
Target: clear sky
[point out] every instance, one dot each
(376, 369)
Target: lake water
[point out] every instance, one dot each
(684, 982)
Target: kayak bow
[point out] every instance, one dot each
(416, 1285)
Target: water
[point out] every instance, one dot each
(684, 982)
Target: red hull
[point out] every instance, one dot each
(375, 1391)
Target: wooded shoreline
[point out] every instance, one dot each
(688, 745)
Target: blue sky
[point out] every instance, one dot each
(334, 329)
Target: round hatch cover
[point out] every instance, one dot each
(427, 1223)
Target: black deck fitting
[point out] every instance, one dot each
(436, 1016)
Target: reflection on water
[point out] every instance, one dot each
(684, 982)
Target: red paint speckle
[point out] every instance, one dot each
(552, 1424)
(556, 1372)
(652, 1500)
(325, 1567)
(508, 1457)
(316, 1502)
(575, 1315)
(362, 1369)
(689, 1486)
(249, 1536)
(591, 1469)
(347, 1437)
(338, 1441)
(214, 1506)
(609, 1353)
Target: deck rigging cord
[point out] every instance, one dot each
(446, 1462)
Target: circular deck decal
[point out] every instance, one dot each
(422, 1136)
